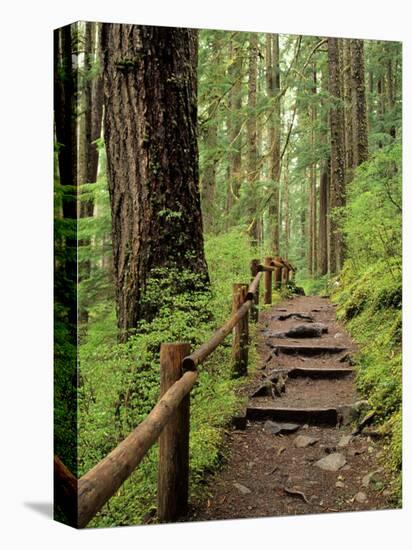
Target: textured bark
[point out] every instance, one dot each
(337, 180)
(252, 150)
(274, 123)
(235, 134)
(323, 214)
(208, 182)
(312, 252)
(360, 121)
(349, 107)
(152, 159)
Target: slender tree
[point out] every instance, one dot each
(152, 159)
(360, 121)
(337, 179)
(252, 151)
(274, 132)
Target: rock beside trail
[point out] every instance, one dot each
(303, 441)
(332, 462)
(344, 441)
(361, 497)
(280, 427)
(242, 488)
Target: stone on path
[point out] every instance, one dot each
(361, 497)
(242, 488)
(303, 441)
(344, 441)
(340, 484)
(280, 427)
(332, 462)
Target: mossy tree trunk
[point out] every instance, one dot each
(150, 127)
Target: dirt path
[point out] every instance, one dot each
(273, 473)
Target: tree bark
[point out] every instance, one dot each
(360, 120)
(252, 161)
(337, 180)
(323, 214)
(235, 134)
(274, 123)
(150, 129)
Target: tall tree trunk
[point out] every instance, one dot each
(323, 216)
(286, 206)
(252, 165)
(150, 127)
(208, 181)
(274, 122)
(349, 107)
(312, 252)
(235, 135)
(337, 180)
(360, 120)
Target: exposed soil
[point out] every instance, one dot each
(266, 474)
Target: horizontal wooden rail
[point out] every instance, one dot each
(191, 361)
(102, 481)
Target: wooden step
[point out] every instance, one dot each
(313, 416)
(326, 373)
(307, 350)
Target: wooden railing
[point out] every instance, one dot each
(168, 421)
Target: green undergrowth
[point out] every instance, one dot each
(120, 382)
(370, 305)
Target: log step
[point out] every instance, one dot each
(307, 350)
(313, 416)
(310, 372)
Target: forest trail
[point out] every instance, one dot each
(274, 473)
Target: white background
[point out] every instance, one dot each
(26, 270)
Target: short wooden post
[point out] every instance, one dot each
(268, 282)
(254, 312)
(173, 472)
(240, 343)
(285, 275)
(278, 273)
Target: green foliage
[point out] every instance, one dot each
(120, 382)
(369, 293)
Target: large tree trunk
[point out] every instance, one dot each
(360, 121)
(252, 164)
(337, 180)
(274, 122)
(152, 160)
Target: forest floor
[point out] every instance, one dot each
(273, 473)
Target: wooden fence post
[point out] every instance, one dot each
(173, 472)
(268, 282)
(254, 312)
(285, 275)
(240, 343)
(278, 273)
